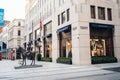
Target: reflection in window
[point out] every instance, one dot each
(48, 47)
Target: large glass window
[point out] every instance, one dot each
(48, 39)
(48, 47)
(101, 42)
(66, 45)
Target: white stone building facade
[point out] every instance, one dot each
(84, 28)
(15, 34)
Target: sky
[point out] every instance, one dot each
(13, 9)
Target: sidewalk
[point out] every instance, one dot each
(52, 71)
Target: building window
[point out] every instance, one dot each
(48, 28)
(19, 24)
(63, 17)
(65, 45)
(109, 13)
(101, 13)
(92, 8)
(19, 32)
(58, 19)
(68, 14)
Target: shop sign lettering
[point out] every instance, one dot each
(83, 27)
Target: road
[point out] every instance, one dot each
(114, 76)
(52, 71)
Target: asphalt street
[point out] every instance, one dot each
(53, 71)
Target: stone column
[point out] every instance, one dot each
(81, 44)
(116, 39)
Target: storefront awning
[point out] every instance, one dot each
(97, 25)
(66, 28)
(47, 36)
